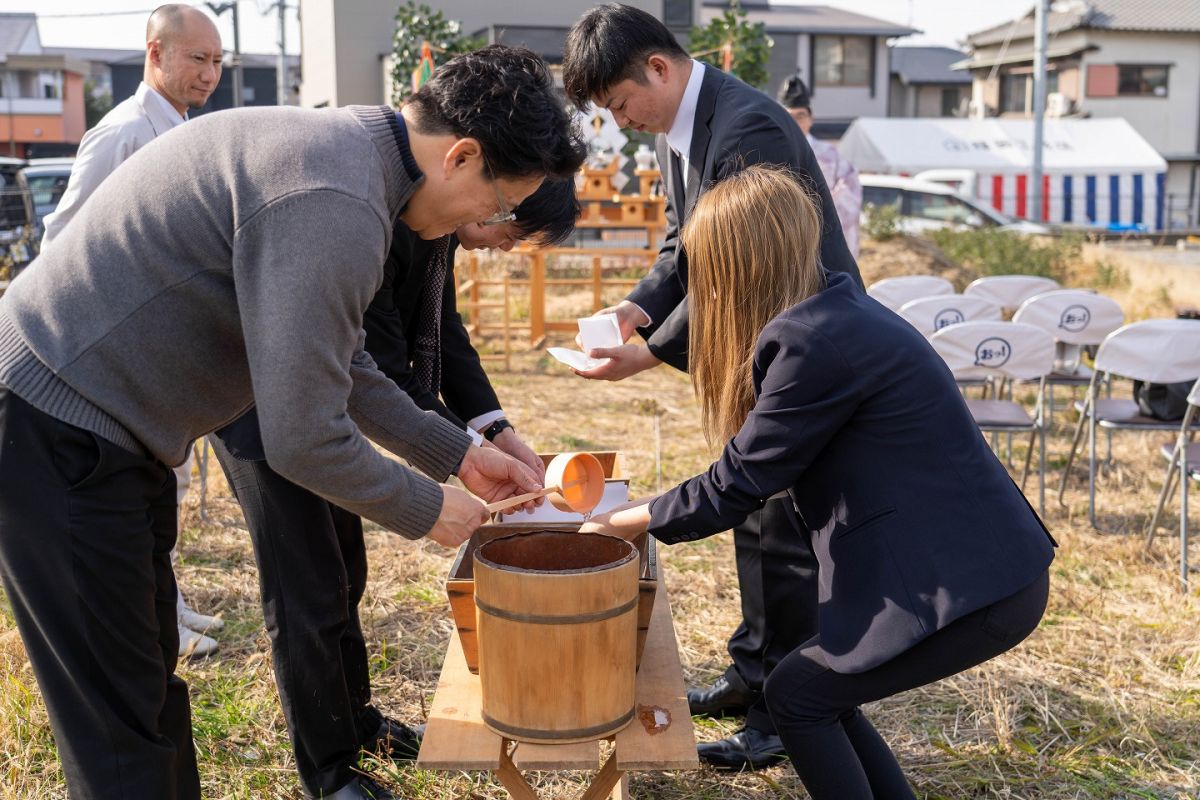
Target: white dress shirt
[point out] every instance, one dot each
(130, 125)
(679, 137)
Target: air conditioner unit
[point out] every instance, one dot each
(1057, 104)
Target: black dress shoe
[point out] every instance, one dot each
(395, 740)
(722, 699)
(747, 750)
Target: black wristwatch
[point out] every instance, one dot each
(492, 431)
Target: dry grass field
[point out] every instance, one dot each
(1103, 701)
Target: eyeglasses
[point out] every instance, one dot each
(504, 215)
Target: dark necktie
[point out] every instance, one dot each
(427, 360)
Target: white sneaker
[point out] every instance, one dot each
(195, 645)
(199, 622)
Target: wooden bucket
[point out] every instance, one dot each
(557, 623)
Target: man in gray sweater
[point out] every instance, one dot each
(259, 254)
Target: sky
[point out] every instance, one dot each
(77, 23)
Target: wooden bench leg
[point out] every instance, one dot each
(609, 781)
(607, 778)
(511, 778)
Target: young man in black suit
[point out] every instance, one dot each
(709, 125)
(301, 540)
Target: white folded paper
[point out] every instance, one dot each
(601, 330)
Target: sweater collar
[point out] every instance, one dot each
(390, 136)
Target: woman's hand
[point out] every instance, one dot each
(625, 521)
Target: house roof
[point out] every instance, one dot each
(104, 55)
(14, 28)
(808, 19)
(1160, 16)
(251, 60)
(915, 65)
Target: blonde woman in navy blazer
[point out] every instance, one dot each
(931, 560)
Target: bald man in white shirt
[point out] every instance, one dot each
(183, 67)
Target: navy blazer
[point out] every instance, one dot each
(735, 126)
(914, 521)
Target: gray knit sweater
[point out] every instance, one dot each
(229, 263)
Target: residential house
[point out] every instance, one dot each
(347, 46)
(924, 85)
(842, 56)
(41, 94)
(99, 62)
(258, 81)
(1135, 59)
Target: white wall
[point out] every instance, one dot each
(1170, 124)
(849, 102)
(342, 42)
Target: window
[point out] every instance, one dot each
(842, 60)
(951, 99)
(1013, 90)
(677, 13)
(943, 208)
(880, 196)
(1142, 80)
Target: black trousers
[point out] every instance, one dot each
(777, 579)
(86, 531)
(836, 751)
(312, 571)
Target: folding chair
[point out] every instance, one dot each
(1183, 461)
(930, 314)
(1154, 350)
(1009, 291)
(985, 349)
(1076, 319)
(895, 292)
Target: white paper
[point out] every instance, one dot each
(575, 359)
(601, 330)
(616, 492)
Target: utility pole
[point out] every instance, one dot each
(281, 71)
(1039, 104)
(218, 9)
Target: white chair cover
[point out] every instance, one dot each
(895, 292)
(1009, 291)
(982, 349)
(931, 314)
(1073, 316)
(1155, 350)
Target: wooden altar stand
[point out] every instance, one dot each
(456, 738)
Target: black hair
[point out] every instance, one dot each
(548, 215)
(504, 98)
(794, 94)
(610, 44)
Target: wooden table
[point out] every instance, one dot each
(456, 738)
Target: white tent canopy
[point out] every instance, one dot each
(1096, 171)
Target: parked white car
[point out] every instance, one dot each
(924, 206)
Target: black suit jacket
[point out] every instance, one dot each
(735, 126)
(914, 521)
(390, 324)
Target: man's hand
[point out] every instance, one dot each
(494, 475)
(623, 361)
(629, 318)
(508, 441)
(461, 514)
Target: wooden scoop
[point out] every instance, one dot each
(574, 482)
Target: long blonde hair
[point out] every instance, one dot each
(752, 243)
